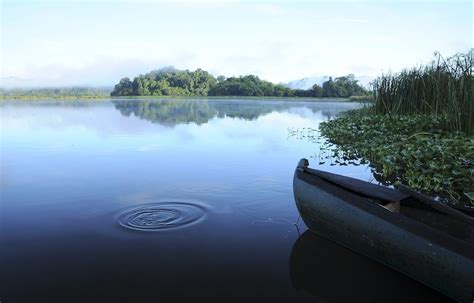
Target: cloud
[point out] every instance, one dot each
(102, 71)
(98, 43)
(338, 20)
(269, 9)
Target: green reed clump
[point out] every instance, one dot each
(362, 98)
(414, 150)
(442, 88)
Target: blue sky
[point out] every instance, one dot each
(55, 43)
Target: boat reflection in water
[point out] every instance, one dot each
(333, 273)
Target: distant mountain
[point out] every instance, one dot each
(308, 82)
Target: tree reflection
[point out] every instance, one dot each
(180, 111)
(165, 112)
(249, 110)
(173, 112)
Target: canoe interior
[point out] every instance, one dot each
(360, 187)
(437, 220)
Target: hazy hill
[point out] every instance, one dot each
(308, 82)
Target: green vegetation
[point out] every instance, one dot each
(57, 93)
(173, 82)
(443, 88)
(412, 150)
(362, 98)
(342, 87)
(167, 82)
(199, 83)
(248, 86)
(419, 132)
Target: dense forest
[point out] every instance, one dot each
(172, 82)
(167, 82)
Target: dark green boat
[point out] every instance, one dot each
(426, 240)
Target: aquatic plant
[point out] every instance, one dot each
(442, 88)
(414, 150)
(362, 98)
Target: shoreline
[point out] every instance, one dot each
(201, 98)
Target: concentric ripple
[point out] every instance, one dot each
(162, 216)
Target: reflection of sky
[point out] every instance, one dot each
(75, 146)
(68, 172)
(59, 126)
(103, 130)
(99, 129)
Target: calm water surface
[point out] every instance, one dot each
(166, 200)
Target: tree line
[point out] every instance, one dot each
(55, 92)
(173, 82)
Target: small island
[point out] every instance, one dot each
(173, 82)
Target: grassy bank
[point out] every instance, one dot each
(66, 93)
(363, 98)
(28, 98)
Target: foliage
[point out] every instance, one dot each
(362, 98)
(59, 92)
(167, 81)
(316, 92)
(173, 82)
(123, 88)
(442, 88)
(415, 150)
(248, 86)
(342, 87)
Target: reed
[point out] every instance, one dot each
(441, 88)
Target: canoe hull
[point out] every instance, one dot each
(383, 236)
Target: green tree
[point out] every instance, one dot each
(123, 88)
(317, 91)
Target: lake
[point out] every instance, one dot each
(134, 200)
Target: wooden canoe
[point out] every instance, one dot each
(419, 238)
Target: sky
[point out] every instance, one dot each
(63, 43)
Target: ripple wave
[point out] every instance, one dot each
(162, 216)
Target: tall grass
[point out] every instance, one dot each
(442, 88)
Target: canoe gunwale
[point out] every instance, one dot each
(383, 194)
